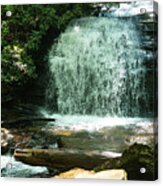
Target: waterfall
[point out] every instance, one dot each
(97, 68)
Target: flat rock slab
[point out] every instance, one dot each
(114, 174)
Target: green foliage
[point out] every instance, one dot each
(16, 64)
(25, 36)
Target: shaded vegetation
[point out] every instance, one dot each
(27, 36)
(23, 35)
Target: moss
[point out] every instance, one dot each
(114, 163)
(133, 159)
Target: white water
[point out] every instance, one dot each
(12, 168)
(92, 123)
(130, 8)
(97, 68)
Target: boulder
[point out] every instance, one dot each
(6, 140)
(133, 159)
(75, 172)
(115, 174)
(43, 140)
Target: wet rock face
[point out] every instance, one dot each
(118, 174)
(43, 140)
(6, 140)
(12, 139)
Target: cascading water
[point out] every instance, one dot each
(97, 68)
(12, 168)
(100, 66)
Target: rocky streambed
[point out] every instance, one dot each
(45, 149)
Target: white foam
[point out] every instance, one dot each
(15, 168)
(134, 8)
(92, 123)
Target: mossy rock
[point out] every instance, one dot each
(133, 159)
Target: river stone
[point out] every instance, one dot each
(102, 140)
(43, 140)
(115, 174)
(63, 132)
(134, 158)
(144, 135)
(6, 140)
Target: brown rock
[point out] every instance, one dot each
(64, 159)
(6, 139)
(63, 132)
(73, 173)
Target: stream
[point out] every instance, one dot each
(12, 168)
(101, 70)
